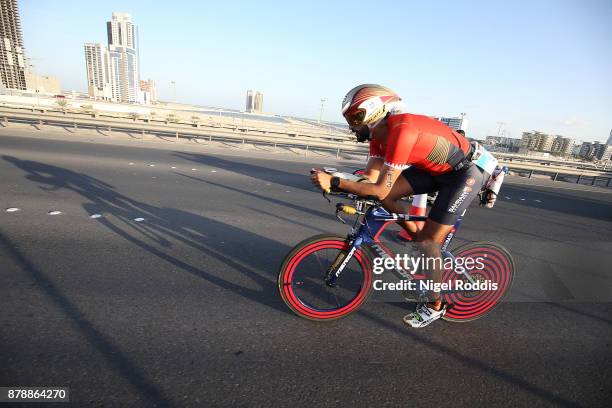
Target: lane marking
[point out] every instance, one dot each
(193, 169)
(537, 201)
(95, 216)
(522, 199)
(213, 171)
(139, 219)
(153, 177)
(507, 198)
(12, 209)
(173, 167)
(130, 164)
(55, 212)
(151, 165)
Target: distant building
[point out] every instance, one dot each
(609, 142)
(12, 56)
(149, 92)
(595, 151)
(537, 141)
(99, 75)
(42, 84)
(454, 123)
(116, 67)
(502, 141)
(562, 146)
(254, 101)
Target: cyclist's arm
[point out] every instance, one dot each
(380, 189)
(373, 168)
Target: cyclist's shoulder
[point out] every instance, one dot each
(411, 123)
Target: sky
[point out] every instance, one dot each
(516, 65)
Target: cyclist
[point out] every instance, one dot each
(411, 154)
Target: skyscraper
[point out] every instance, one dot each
(113, 73)
(12, 57)
(123, 50)
(254, 101)
(99, 78)
(609, 142)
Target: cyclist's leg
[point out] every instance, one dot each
(413, 181)
(457, 190)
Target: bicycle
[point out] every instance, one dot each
(328, 277)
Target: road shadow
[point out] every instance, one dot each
(218, 241)
(272, 175)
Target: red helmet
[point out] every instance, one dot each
(367, 105)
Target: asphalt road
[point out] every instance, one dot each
(181, 309)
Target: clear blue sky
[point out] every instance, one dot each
(543, 65)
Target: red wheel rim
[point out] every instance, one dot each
(293, 299)
(497, 268)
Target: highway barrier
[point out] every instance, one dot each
(337, 144)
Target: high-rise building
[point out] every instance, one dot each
(121, 31)
(12, 56)
(123, 50)
(609, 142)
(113, 72)
(99, 74)
(254, 101)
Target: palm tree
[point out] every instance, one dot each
(134, 116)
(195, 120)
(171, 117)
(63, 104)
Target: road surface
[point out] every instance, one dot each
(168, 298)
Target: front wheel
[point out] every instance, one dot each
(302, 284)
(493, 269)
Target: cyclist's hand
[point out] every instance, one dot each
(322, 180)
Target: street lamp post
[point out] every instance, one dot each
(321, 113)
(173, 91)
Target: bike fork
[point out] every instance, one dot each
(343, 258)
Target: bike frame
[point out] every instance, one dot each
(367, 231)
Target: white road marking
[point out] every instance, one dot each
(95, 216)
(55, 212)
(522, 199)
(153, 177)
(508, 198)
(139, 219)
(12, 209)
(173, 167)
(130, 164)
(213, 171)
(287, 191)
(537, 201)
(193, 169)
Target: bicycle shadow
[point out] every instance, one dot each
(165, 225)
(272, 175)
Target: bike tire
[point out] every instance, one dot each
(295, 302)
(499, 266)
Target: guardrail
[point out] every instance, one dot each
(210, 132)
(570, 177)
(254, 136)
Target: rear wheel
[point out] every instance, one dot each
(494, 269)
(301, 279)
